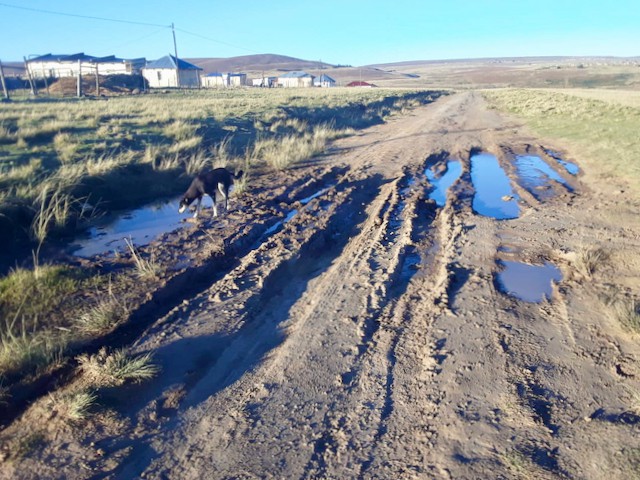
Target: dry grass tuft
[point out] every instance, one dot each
(102, 317)
(589, 259)
(146, 267)
(626, 312)
(112, 369)
(74, 406)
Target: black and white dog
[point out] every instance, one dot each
(207, 183)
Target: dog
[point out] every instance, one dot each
(207, 183)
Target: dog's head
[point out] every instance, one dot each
(184, 203)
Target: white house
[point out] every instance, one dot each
(56, 66)
(217, 80)
(214, 80)
(324, 81)
(169, 71)
(264, 82)
(295, 79)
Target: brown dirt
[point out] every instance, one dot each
(367, 338)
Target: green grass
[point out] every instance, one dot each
(604, 133)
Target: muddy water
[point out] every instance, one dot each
(531, 283)
(535, 174)
(142, 225)
(494, 196)
(442, 183)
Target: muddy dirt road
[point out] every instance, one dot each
(361, 329)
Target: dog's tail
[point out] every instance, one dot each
(239, 174)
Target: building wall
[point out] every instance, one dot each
(214, 82)
(160, 77)
(70, 69)
(167, 78)
(296, 82)
(189, 78)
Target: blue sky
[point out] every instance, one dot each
(355, 32)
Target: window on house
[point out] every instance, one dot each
(159, 76)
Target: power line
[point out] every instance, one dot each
(51, 12)
(215, 41)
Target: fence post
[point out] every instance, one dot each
(4, 84)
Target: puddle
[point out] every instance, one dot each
(535, 174)
(142, 226)
(572, 168)
(443, 182)
(304, 201)
(494, 196)
(531, 283)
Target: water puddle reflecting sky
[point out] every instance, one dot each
(531, 283)
(142, 225)
(493, 194)
(572, 168)
(442, 183)
(535, 174)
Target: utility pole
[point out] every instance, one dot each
(4, 84)
(175, 50)
(31, 84)
(79, 89)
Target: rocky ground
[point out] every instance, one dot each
(338, 323)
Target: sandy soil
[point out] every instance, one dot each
(367, 337)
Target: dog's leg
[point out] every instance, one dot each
(195, 215)
(225, 194)
(215, 207)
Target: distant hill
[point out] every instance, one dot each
(257, 63)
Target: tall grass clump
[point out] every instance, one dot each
(626, 312)
(102, 317)
(66, 147)
(22, 348)
(73, 406)
(145, 267)
(116, 368)
(588, 259)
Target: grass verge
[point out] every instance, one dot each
(603, 133)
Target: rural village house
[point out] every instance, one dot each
(265, 82)
(295, 79)
(213, 80)
(57, 66)
(170, 71)
(324, 80)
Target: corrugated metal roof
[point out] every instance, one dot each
(169, 61)
(50, 57)
(298, 74)
(324, 78)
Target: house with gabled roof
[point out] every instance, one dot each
(172, 72)
(63, 65)
(295, 79)
(324, 80)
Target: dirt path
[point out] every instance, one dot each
(366, 337)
